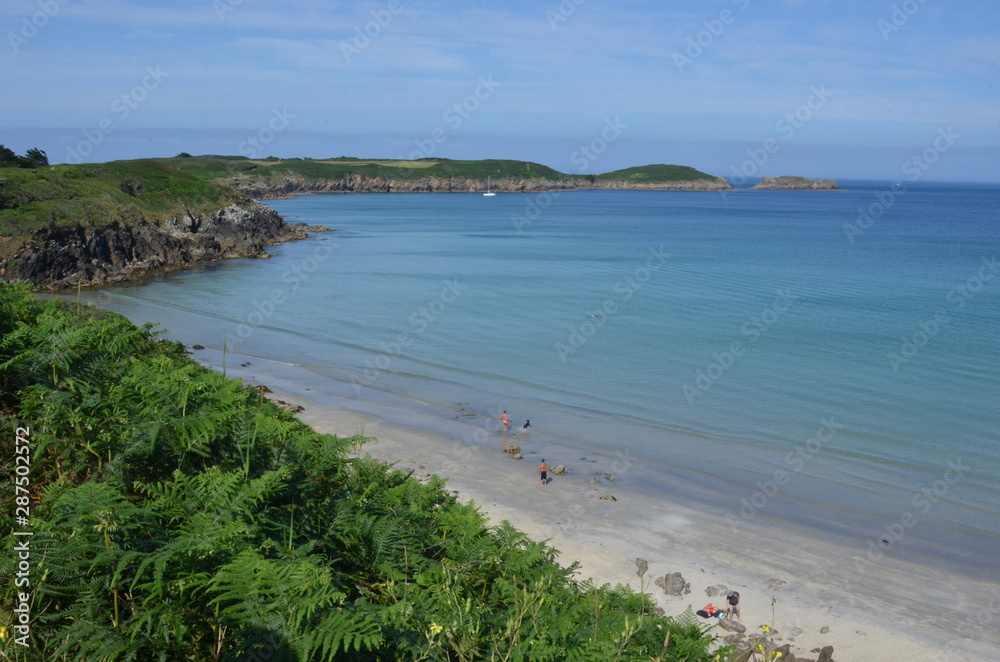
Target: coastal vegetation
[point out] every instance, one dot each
(653, 174)
(273, 177)
(93, 195)
(220, 167)
(175, 514)
(32, 158)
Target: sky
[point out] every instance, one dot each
(865, 89)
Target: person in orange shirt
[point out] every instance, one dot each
(709, 611)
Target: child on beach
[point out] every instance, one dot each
(505, 420)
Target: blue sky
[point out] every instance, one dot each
(844, 89)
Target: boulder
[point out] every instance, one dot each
(786, 653)
(673, 584)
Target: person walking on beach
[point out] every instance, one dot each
(543, 471)
(733, 610)
(505, 420)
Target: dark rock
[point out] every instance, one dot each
(512, 449)
(732, 625)
(641, 566)
(786, 653)
(673, 584)
(791, 183)
(197, 347)
(58, 257)
(825, 654)
(607, 497)
(716, 591)
(824, 629)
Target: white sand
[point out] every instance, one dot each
(888, 610)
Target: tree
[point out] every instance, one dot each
(8, 157)
(34, 157)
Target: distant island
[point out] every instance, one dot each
(791, 183)
(278, 178)
(84, 225)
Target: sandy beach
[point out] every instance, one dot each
(608, 510)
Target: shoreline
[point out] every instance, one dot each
(290, 195)
(882, 609)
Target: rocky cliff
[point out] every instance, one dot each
(792, 183)
(66, 256)
(262, 188)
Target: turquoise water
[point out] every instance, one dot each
(789, 366)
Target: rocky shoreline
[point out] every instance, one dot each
(261, 188)
(265, 188)
(792, 183)
(61, 257)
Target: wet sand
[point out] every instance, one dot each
(813, 592)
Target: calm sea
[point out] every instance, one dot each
(831, 359)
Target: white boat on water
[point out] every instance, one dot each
(489, 193)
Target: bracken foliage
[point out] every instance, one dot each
(178, 515)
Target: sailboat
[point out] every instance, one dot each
(489, 193)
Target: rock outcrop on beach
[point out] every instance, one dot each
(673, 584)
(792, 183)
(57, 257)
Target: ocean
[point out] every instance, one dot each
(829, 360)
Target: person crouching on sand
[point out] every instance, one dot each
(543, 471)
